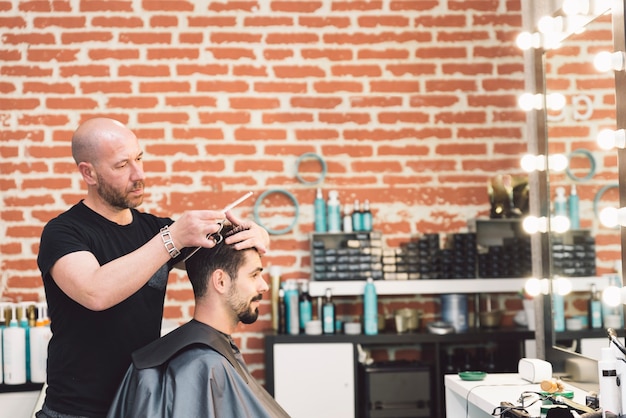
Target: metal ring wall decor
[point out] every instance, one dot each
(291, 197)
(592, 165)
(308, 156)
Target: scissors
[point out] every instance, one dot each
(216, 236)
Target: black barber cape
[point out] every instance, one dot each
(194, 371)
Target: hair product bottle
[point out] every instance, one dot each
(291, 305)
(334, 212)
(595, 308)
(40, 335)
(328, 314)
(560, 202)
(574, 216)
(14, 352)
(347, 219)
(610, 391)
(370, 308)
(282, 312)
(368, 221)
(275, 285)
(305, 305)
(357, 217)
(319, 207)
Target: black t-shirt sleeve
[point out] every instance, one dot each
(57, 240)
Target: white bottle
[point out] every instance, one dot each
(40, 335)
(608, 379)
(334, 212)
(347, 219)
(14, 342)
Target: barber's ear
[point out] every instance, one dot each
(88, 173)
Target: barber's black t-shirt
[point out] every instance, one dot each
(90, 351)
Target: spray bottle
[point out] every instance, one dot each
(14, 352)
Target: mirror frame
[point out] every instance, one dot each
(540, 196)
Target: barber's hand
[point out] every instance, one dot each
(192, 228)
(253, 235)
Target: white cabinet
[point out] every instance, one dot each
(314, 380)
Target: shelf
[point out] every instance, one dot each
(442, 286)
(470, 336)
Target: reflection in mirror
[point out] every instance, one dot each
(585, 99)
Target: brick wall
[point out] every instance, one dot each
(412, 104)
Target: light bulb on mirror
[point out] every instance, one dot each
(527, 40)
(557, 162)
(561, 285)
(555, 101)
(535, 287)
(612, 296)
(609, 61)
(608, 139)
(612, 217)
(530, 101)
(575, 7)
(560, 224)
(550, 24)
(533, 224)
(530, 163)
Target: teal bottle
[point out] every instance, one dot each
(328, 314)
(306, 305)
(319, 207)
(370, 308)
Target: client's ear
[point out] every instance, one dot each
(220, 281)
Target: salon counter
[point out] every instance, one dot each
(478, 399)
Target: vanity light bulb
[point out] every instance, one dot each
(530, 101)
(532, 287)
(611, 296)
(555, 101)
(601, 7)
(532, 224)
(557, 162)
(560, 224)
(561, 286)
(608, 139)
(530, 163)
(608, 217)
(527, 40)
(609, 61)
(574, 7)
(549, 24)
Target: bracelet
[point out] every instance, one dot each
(166, 236)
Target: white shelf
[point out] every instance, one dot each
(441, 286)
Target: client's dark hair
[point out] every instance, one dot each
(222, 256)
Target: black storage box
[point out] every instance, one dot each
(399, 389)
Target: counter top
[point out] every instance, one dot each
(479, 398)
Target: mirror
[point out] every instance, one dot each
(572, 130)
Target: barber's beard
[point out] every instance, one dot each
(119, 199)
